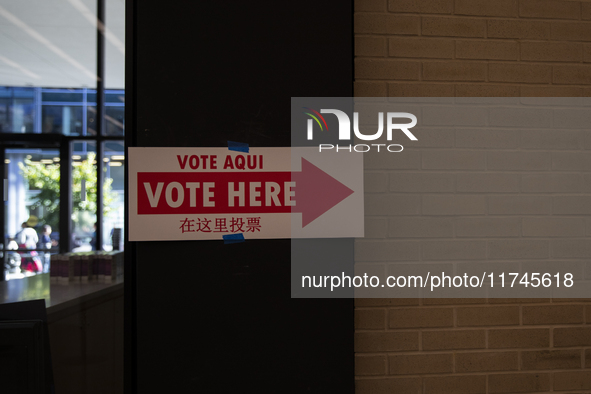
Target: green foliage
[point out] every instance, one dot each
(46, 179)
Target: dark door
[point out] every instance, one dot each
(206, 316)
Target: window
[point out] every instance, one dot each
(52, 76)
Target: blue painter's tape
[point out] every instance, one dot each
(233, 238)
(238, 146)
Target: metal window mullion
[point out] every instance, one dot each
(65, 195)
(100, 116)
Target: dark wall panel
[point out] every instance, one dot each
(208, 316)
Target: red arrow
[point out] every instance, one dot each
(316, 192)
(166, 193)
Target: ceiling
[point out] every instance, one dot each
(52, 43)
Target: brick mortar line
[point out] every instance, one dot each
(475, 373)
(487, 327)
(465, 351)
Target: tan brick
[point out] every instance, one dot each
(488, 182)
(443, 115)
(587, 53)
(370, 89)
(518, 338)
(422, 6)
(518, 300)
(386, 251)
(453, 27)
(386, 341)
(420, 364)
(524, 73)
(553, 314)
(420, 90)
(518, 249)
(518, 383)
(553, 227)
(572, 336)
(569, 300)
(453, 301)
(411, 226)
(550, 91)
(414, 269)
(518, 161)
(579, 380)
(438, 137)
(370, 269)
(571, 161)
(421, 47)
(571, 205)
(488, 316)
(453, 250)
(490, 361)
(370, 23)
(406, 160)
(551, 183)
(486, 90)
(554, 9)
(369, 302)
(375, 182)
(471, 138)
(421, 182)
(370, 5)
(551, 359)
(454, 71)
(571, 31)
(403, 24)
(571, 248)
(454, 205)
(453, 160)
(376, 227)
(586, 10)
(572, 74)
(386, 69)
(370, 319)
(519, 205)
(520, 117)
(551, 51)
(488, 227)
(386, 386)
(388, 205)
(506, 8)
(420, 317)
(370, 46)
(455, 384)
(487, 49)
(370, 365)
(457, 340)
(523, 29)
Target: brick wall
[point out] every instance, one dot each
(468, 195)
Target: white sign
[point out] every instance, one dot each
(209, 193)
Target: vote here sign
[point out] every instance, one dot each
(206, 193)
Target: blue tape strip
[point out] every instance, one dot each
(238, 146)
(233, 238)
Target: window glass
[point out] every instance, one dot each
(63, 97)
(84, 196)
(62, 119)
(32, 210)
(113, 195)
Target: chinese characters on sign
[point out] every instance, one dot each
(235, 225)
